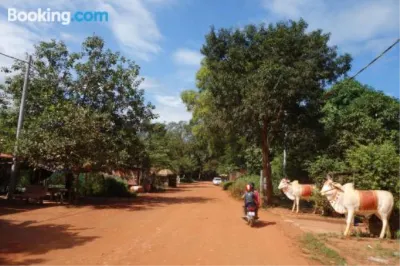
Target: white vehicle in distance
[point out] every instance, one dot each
(217, 180)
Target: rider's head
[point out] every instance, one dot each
(250, 186)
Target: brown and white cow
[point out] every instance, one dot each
(295, 191)
(346, 200)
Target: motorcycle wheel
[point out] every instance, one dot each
(251, 222)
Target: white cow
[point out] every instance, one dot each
(346, 200)
(295, 191)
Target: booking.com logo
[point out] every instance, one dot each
(64, 17)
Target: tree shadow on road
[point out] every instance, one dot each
(5, 261)
(15, 206)
(144, 202)
(30, 238)
(195, 186)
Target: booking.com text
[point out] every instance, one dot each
(49, 16)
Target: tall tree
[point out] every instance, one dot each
(82, 108)
(362, 131)
(357, 114)
(263, 77)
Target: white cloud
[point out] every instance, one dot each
(151, 85)
(16, 42)
(134, 27)
(375, 46)
(361, 24)
(171, 109)
(187, 57)
(160, 2)
(131, 23)
(169, 106)
(171, 101)
(65, 36)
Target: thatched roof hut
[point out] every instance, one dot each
(165, 172)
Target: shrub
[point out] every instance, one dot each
(377, 166)
(321, 166)
(186, 180)
(97, 185)
(24, 179)
(321, 202)
(226, 185)
(116, 187)
(238, 187)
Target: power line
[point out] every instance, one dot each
(12, 57)
(373, 61)
(21, 60)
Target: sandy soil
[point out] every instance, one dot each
(194, 224)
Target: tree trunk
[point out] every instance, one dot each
(76, 189)
(267, 173)
(68, 185)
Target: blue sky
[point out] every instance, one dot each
(165, 36)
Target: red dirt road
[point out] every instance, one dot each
(194, 224)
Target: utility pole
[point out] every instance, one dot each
(14, 168)
(284, 144)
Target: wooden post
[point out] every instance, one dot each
(262, 192)
(76, 192)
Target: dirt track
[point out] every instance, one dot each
(194, 224)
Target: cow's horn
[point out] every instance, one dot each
(338, 186)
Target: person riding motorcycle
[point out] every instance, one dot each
(251, 198)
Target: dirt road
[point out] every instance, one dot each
(194, 224)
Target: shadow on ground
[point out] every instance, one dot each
(15, 206)
(144, 202)
(29, 238)
(4, 261)
(261, 224)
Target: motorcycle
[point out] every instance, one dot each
(251, 215)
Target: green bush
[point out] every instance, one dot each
(116, 187)
(319, 168)
(238, 187)
(99, 186)
(377, 167)
(226, 185)
(186, 180)
(24, 179)
(277, 173)
(321, 202)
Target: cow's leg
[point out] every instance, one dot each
(367, 217)
(384, 225)
(349, 221)
(294, 205)
(297, 203)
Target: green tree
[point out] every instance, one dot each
(361, 128)
(263, 77)
(82, 108)
(357, 114)
(377, 166)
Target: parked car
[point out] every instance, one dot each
(217, 180)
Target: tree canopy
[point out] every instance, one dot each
(262, 78)
(82, 108)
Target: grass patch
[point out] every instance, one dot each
(326, 236)
(384, 252)
(320, 251)
(226, 185)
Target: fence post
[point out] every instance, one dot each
(262, 187)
